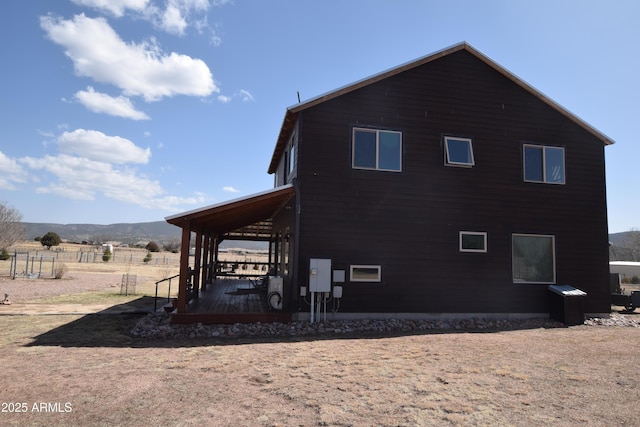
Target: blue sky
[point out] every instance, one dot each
(133, 110)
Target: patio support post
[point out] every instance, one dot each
(207, 265)
(270, 252)
(184, 268)
(216, 243)
(197, 265)
(212, 261)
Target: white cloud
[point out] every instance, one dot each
(82, 179)
(103, 103)
(172, 20)
(172, 16)
(245, 95)
(138, 69)
(45, 133)
(230, 189)
(12, 173)
(95, 145)
(115, 7)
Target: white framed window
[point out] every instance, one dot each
(473, 241)
(292, 159)
(377, 149)
(458, 151)
(534, 258)
(365, 273)
(542, 163)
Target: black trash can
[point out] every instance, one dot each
(566, 304)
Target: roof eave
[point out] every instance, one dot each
(177, 219)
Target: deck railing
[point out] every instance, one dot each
(155, 301)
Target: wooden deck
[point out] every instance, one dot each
(230, 301)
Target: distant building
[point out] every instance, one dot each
(627, 269)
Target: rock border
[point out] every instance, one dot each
(156, 326)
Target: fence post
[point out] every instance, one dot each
(14, 265)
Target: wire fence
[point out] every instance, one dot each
(43, 263)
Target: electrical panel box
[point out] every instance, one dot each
(337, 292)
(338, 276)
(319, 275)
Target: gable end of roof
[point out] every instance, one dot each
(292, 111)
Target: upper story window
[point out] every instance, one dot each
(289, 159)
(377, 149)
(292, 158)
(543, 164)
(458, 151)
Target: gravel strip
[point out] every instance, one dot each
(157, 326)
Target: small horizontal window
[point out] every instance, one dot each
(458, 151)
(473, 241)
(377, 150)
(543, 164)
(365, 273)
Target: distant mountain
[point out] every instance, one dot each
(158, 231)
(616, 238)
(623, 246)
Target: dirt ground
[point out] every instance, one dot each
(87, 370)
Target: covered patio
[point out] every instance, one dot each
(206, 293)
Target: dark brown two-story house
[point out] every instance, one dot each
(445, 185)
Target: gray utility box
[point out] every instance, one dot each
(566, 304)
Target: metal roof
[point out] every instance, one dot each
(292, 112)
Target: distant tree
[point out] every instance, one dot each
(106, 256)
(11, 227)
(102, 238)
(629, 246)
(50, 239)
(173, 246)
(152, 247)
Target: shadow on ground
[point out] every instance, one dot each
(114, 330)
(108, 328)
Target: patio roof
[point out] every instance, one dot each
(246, 218)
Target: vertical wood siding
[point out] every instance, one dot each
(408, 222)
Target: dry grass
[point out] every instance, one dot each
(559, 377)
(576, 376)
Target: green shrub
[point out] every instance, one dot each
(50, 239)
(4, 255)
(147, 258)
(106, 256)
(635, 280)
